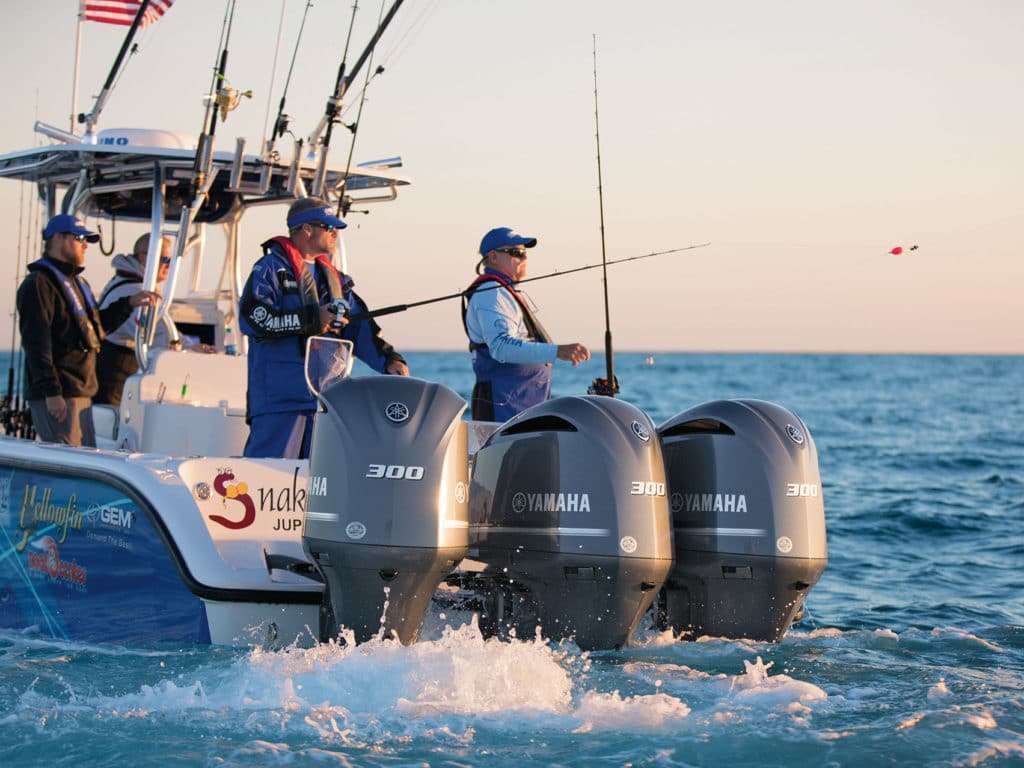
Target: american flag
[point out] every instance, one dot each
(122, 11)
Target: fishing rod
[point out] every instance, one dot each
(9, 406)
(609, 385)
(354, 127)
(282, 120)
(101, 100)
(204, 148)
(341, 86)
(394, 309)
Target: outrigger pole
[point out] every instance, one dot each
(396, 308)
(101, 100)
(609, 385)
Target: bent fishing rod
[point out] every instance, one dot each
(396, 308)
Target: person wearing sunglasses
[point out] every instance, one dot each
(62, 327)
(116, 360)
(291, 295)
(512, 353)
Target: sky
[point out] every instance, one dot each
(802, 139)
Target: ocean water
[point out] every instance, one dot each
(911, 650)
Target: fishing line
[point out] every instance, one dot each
(404, 40)
(460, 294)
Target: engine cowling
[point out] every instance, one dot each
(569, 515)
(748, 519)
(387, 511)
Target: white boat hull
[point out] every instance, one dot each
(100, 545)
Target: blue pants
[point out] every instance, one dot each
(280, 436)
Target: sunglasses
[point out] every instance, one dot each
(518, 253)
(326, 227)
(79, 238)
(165, 261)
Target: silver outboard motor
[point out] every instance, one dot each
(387, 512)
(569, 515)
(748, 518)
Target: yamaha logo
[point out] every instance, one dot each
(355, 530)
(460, 492)
(795, 434)
(641, 431)
(396, 412)
(519, 502)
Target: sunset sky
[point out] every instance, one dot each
(803, 139)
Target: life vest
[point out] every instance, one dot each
(533, 326)
(87, 314)
(298, 264)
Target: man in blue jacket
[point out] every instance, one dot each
(512, 353)
(287, 299)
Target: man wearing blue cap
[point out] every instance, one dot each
(288, 298)
(61, 330)
(512, 353)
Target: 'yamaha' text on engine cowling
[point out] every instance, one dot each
(748, 519)
(387, 514)
(569, 514)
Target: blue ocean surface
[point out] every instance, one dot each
(910, 652)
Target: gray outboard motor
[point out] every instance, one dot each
(387, 512)
(748, 518)
(569, 514)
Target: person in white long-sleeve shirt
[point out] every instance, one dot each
(512, 353)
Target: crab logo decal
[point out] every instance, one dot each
(396, 412)
(640, 431)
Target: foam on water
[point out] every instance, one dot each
(333, 691)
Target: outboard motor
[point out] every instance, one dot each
(748, 519)
(387, 513)
(569, 515)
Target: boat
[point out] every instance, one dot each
(576, 519)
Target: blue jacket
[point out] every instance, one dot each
(272, 314)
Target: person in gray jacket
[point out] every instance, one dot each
(116, 360)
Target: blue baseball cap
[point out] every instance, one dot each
(307, 209)
(503, 237)
(64, 223)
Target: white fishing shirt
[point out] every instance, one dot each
(494, 318)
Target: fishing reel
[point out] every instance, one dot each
(341, 308)
(600, 386)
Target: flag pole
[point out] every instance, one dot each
(78, 49)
